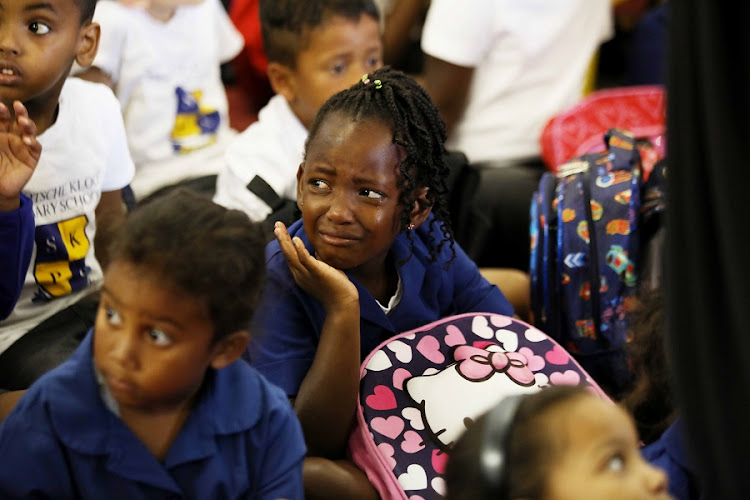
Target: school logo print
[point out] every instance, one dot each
(60, 266)
(195, 125)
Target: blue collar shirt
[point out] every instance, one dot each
(242, 440)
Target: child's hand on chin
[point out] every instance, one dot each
(330, 286)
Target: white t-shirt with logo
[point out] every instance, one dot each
(84, 153)
(530, 60)
(167, 76)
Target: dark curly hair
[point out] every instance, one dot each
(201, 249)
(393, 98)
(286, 24)
(650, 401)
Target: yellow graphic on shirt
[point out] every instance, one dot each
(195, 125)
(60, 265)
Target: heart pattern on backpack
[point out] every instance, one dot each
(412, 412)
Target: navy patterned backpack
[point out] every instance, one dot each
(585, 245)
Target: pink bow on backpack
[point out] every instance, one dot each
(478, 365)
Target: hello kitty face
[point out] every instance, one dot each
(451, 399)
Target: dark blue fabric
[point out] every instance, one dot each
(242, 440)
(288, 323)
(648, 49)
(669, 453)
(16, 245)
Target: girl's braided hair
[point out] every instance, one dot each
(392, 97)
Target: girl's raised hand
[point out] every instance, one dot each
(330, 286)
(19, 154)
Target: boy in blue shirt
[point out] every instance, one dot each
(152, 403)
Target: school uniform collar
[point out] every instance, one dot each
(412, 274)
(83, 423)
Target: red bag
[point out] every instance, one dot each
(578, 130)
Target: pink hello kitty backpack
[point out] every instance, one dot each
(421, 389)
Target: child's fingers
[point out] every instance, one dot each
(24, 124)
(288, 249)
(4, 118)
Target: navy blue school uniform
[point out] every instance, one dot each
(669, 453)
(242, 440)
(16, 245)
(288, 323)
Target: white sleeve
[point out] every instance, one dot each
(120, 169)
(230, 40)
(459, 33)
(112, 19)
(245, 158)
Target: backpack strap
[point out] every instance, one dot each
(260, 188)
(621, 146)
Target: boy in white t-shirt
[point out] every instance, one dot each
(315, 48)
(163, 60)
(76, 190)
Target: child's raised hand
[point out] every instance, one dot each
(19, 153)
(330, 286)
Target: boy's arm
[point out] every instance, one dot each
(19, 155)
(329, 393)
(110, 214)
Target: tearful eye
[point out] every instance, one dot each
(113, 317)
(318, 184)
(39, 28)
(158, 337)
(370, 193)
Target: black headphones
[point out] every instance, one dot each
(493, 456)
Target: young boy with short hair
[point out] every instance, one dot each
(315, 48)
(76, 189)
(154, 402)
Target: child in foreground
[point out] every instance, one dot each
(558, 444)
(152, 402)
(373, 256)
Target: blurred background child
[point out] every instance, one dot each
(497, 71)
(162, 58)
(315, 48)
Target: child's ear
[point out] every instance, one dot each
(281, 78)
(300, 173)
(88, 44)
(229, 349)
(421, 207)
